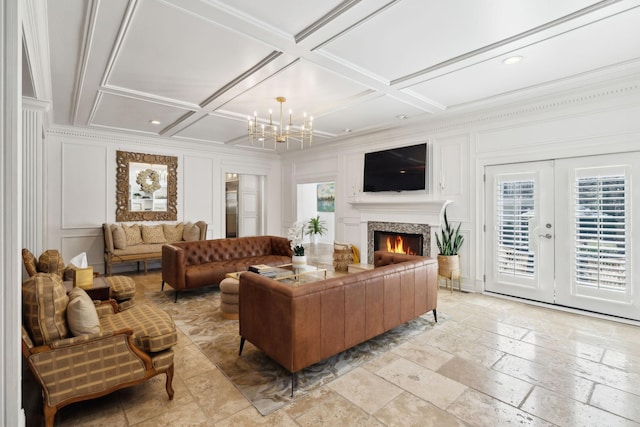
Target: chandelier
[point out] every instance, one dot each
(280, 133)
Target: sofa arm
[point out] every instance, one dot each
(173, 266)
(108, 238)
(203, 229)
(281, 246)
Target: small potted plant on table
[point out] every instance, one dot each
(315, 228)
(295, 233)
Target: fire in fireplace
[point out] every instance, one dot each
(402, 243)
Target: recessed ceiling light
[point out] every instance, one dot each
(401, 116)
(154, 122)
(512, 60)
(347, 130)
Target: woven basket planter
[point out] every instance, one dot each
(449, 266)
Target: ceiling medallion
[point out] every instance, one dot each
(261, 131)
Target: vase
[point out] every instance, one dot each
(298, 261)
(314, 239)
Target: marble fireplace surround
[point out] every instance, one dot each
(398, 213)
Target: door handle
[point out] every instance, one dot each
(546, 236)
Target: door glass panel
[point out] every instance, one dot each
(601, 232)
(515, 208)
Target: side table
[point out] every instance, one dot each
(98, 291)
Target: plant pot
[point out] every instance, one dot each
(449, 266)
(314, 239)
(298, 261)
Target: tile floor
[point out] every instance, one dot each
(490, 362)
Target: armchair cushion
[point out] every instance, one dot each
(44, 305)
(81, 313)
(51, 261)
(153, 329)
(30, 263)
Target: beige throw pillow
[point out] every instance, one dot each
(132, 234)
(119, 237)
(173, 232)
(191, 232)
(153, 234)
(82, 316)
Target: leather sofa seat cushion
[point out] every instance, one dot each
(44, 308)
(153, 329)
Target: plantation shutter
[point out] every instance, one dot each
(601, 229)
(514, 209)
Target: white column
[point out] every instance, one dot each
(32, 175)
(10, 212)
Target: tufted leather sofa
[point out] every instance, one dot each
(190, 265)
(298, 326)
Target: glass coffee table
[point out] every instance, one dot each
(289, 274)
(286, 274)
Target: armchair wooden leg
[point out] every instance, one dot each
(49, 415)
(169, 386)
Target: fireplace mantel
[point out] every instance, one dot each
(396, 203)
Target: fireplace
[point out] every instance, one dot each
(401, 243)
(401, 237)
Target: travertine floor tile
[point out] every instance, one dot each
(251, 417)
(567, 412)
(408, 410)
(424, 383)
(365, 389)
(423, 354)
(478, 409)
(493, 383)
(616, 401)
(560, 381)
(189, 415)
(216, 396)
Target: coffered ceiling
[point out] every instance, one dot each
(201, 67)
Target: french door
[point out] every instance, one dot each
(561, 232)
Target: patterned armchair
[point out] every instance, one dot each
(78, 350)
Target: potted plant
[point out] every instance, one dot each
(449, 244)
(295, 234)
(315, 228)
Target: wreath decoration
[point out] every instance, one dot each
(149, 180)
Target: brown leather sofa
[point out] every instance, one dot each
(298, 326)
(191, 265)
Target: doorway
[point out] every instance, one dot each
(244, 205)
(318, 199)
(560, 232)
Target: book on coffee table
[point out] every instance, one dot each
(263, 270)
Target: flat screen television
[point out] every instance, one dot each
(396, 169)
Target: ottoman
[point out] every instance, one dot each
(230, 298)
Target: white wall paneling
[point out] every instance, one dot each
(80, 199)
(199, 187)
(84, 183)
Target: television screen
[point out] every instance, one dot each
(396, 169)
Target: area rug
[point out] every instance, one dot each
(263, 382)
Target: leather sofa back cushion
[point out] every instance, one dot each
(153, 234)
(132, 233)
(173, 232)
(119, 237)
(44, 307)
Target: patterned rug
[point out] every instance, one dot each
(263, 382)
